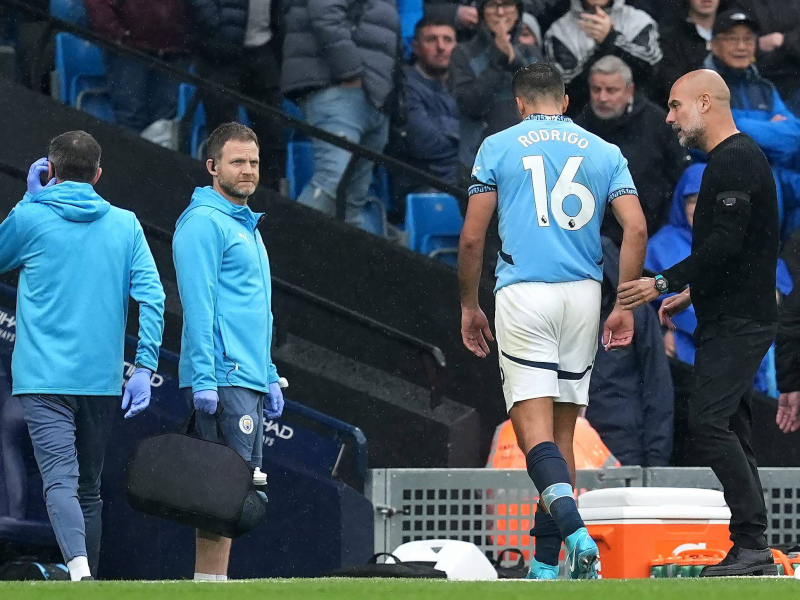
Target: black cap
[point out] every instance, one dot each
(729, 19)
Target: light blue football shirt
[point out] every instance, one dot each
(553, 181)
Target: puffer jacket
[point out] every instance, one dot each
(330, 41)
(633, 38)
(219, 26)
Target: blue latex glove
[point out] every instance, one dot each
(274, 408)
(137, 392)
(34, 182)
(206, 401)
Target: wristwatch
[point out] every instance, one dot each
(661, 284)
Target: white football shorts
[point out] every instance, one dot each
(547, 337)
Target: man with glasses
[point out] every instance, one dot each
(482, 70)
(757, 107)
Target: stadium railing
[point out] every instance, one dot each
(208, 87)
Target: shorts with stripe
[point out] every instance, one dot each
(547, 339)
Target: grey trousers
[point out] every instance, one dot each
(69, 435)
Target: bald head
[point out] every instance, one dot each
(700, 102)
(704, 81)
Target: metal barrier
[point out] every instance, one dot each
(493, 509)
(490, 508)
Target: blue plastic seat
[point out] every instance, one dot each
(299, 166)
(197, 131)
(81, 75)
(69, 10)
(433, 225)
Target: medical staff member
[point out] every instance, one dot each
(80, 259)
(224, 283)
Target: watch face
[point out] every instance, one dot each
(661, 284)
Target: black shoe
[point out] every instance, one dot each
(87, 578)
(743, 561)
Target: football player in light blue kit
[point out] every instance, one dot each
(550, 181)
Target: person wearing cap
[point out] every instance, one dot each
(593, 29)
(482, 69)
(758, 109)
(778, 45)
(685, 42)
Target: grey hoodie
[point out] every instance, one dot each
(634, 38)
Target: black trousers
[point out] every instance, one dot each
(729, 352)
(255, 73)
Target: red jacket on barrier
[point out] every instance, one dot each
(158, 26)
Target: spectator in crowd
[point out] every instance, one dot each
(778, 45)
(339, 61)
(685, 42)
(432, 123)
(757, 107)
(464, 15)
(631, 398)
(596, 28)
(139, 94)
(482, 71)
(238, 48)
(530, 32)
(621, 115)
(671, 245)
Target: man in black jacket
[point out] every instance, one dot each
(238, 48)
(685, 43)
(631, 399)
(731, 274)
(620, 115)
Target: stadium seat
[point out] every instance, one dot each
(80, 74)
(197, 128)
(69, 10)
(433, 225)
(299, 166)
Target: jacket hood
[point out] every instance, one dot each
(577, 5)
(72, 201)
(206, 196)
(688, 184)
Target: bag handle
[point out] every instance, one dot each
(189, 427)
(374, 559)
(502, 556)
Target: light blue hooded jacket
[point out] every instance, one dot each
(80, 260)
(226, 292)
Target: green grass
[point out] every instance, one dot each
(392, 589)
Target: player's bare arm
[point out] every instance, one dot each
(474, 326)
(618, 328)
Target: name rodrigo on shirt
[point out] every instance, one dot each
(535, 136)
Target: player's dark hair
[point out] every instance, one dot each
(538, 81)
(225, 133)
(74, 156)
(429, 21)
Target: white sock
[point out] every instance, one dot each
(79, 568)
(204, 577)
(222, 578)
